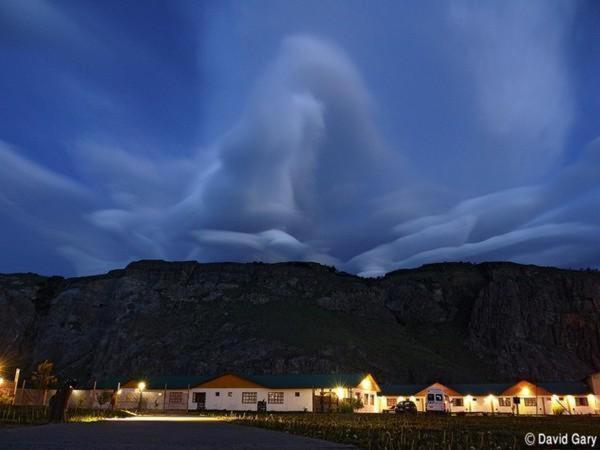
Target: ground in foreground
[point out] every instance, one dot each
(391, 432)
(153, 434)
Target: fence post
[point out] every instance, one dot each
(94, 395)
(17, 373)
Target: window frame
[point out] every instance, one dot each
(275, 398)
(246, 401)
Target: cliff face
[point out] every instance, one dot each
(454, 322)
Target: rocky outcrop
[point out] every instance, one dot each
(454, 322)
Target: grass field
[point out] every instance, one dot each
(389, 432)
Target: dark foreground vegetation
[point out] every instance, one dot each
(37, 415)
(388, 432)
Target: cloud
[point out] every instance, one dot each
(514, 53)
(305, 174)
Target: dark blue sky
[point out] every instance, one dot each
(367, 135)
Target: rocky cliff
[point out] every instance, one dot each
(453, 322)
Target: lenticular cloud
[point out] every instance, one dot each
(304, 175)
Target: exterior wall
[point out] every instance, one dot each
(492, 404)
(230, 399)
(153, 399)
(368, 398)
(383, 402)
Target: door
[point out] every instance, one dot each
(200, 400)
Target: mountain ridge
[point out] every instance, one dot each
(448, 321)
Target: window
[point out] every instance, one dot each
(132, 397)
(175, 397)
(438, 397)
(229, 394)
(217, 394)
(430, 397)
(530, 401)
(504, 401)
(391, 401)
(372, 399)
(199, 397)
(297, 394)
(248, 397)
(581, 401)
(457, 402)
(275, 398)
(366, 397)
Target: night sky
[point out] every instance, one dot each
(367, 135)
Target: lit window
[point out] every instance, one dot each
(248, 397)
(457, 402)
(529, 401)
(391, 401)
(275, 398)
(581, 401)
(504, 401)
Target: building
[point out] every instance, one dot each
(322, 393)
(522, 398)
(233, 392)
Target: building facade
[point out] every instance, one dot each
(522, 398)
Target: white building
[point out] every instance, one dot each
(233, 392)
(311, 393)
(522, 398)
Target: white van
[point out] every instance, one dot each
(437, 401)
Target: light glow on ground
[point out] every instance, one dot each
(167, 419)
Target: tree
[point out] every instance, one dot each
(42, 377)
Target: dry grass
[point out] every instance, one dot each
(389, 432)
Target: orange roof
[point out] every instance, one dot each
(525, 389)
(445, 389)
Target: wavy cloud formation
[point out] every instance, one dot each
(306, 175)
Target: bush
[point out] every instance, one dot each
(349, 405)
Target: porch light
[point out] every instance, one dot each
(412, 398)
(339, 391)
(525, 392)
(1, 381)
(490, 398)
(469, 398)
(141, 386)
(554, 397)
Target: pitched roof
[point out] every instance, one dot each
(404, 390)
(481, 389)
(308, 380)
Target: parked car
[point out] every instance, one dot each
(405, 407)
